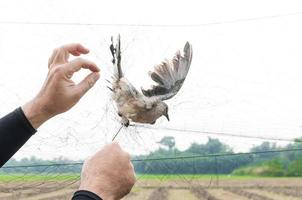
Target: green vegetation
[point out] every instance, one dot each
(14, 177)
(273, 164)
(295, 168)
(37, 177)
(286, 164)
(273, 168)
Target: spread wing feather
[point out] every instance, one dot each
(170, 75)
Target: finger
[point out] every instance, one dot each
(61, 55)
(75, 49)
(86, 84)
(76, 64)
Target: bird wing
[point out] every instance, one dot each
(170, 75)
(125, 87)
(125, 92)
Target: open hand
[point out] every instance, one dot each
(59, 93)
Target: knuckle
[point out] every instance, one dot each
(57, 70)
(87, 161)
(131, 180)
(115, 145)
(55, 50)
(127, 156)
(50, 64)
(83, 62)
(59, 49)
(62, 47)
(77, 44)
(131, 167)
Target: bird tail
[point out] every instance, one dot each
(116, 53)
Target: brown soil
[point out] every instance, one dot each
(261, 182)
(203, 194)
(181, 194)
(249, 195)
(257, 189)
(272, 195)
(287, 191)
(57, 195)
(143, 194)
(159, 194)
(225, 195)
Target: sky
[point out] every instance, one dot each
(245, 77)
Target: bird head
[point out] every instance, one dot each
(163, 107)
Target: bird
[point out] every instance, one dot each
(148, 105)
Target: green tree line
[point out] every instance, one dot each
(268, 164)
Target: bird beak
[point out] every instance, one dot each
(167, 116)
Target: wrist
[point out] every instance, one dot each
(35, 113)
(106, 195)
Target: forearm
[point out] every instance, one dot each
(15, 130)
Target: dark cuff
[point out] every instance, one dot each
(85, 195)
(24, 121)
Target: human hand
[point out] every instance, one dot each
(59, 93)
(109, 173)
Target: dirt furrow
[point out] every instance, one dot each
(139, 195)
(57, 195)
(181, 194)
(159, 194)
(247, 194)
(272, 195)
(203, 194)
(5, 196)
(225, 195)
(288, 191)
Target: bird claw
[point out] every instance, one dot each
(125, 122)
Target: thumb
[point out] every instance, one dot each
(87, 83)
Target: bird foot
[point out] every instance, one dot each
(125, 122)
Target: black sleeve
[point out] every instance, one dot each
(15, 130)
(85, 195)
